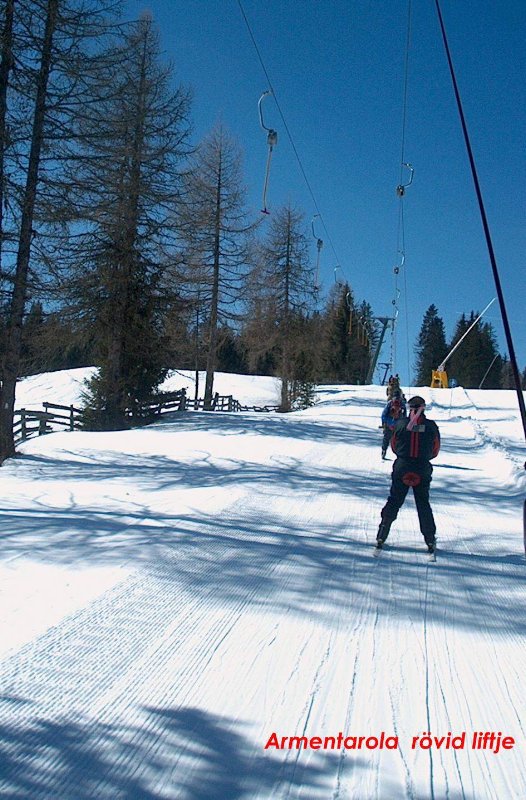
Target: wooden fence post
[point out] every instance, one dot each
(23, 431)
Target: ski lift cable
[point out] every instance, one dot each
(401, 248)
(487, 234)
(407, 346)
(406, 83)
(286, 127)
(319, 246)
(400, 191)
(403, 163)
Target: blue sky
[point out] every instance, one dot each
(337, 67)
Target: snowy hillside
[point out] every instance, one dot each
(66, 387)
(176, 600)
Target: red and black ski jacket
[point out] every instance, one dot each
(422, 443)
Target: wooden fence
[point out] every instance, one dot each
(226, 403)
(158, 404)
(30, 422)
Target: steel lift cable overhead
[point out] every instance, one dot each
(406, 179)
(439, 375)
(489, 241)
(287, 130)
(319, 246)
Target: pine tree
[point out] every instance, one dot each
(6, 64)
(230, 354)
(287, 281)
(363, 343)
(337, 338)
(125, 193)
(258, 335)
(476, 358)
(431, 347)
(216, 235)
(17, 301)
(50, 42)
(506, 374)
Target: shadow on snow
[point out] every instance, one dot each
(170, 752)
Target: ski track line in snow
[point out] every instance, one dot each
(341, 783)
(488, 437)
(345, 786)
(428, 710)
(445, 786)
(94, 625)
(340, 652)
(401, 682)
(98, 691)
(374, 655)
(468, 705)
(305, 712)
(307, 704)
(323, 684)
(484, 436)
(128, 608)
(360, 515)
(442, 696)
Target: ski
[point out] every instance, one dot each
(432, 554)
(430, 557)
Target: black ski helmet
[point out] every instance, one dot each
(416, 402)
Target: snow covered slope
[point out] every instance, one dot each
(178, 597)
(66, 387)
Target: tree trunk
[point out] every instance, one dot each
(212, 340)
(117, 397)
(5, 68)
(285, 339)
(11, 365)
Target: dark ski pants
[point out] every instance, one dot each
(402, 470)
(388, 433)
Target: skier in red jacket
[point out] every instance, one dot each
(415, 441)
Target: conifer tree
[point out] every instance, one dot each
(216, 235)
(476, 356)
(258, 334)
(363, 342)
(507, 380)
(46, 47)
(337, 338)
(6, 64)
(349, 336)
(431, 347)
(125, 191)
(287, 280)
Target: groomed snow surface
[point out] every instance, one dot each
(173, 596)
